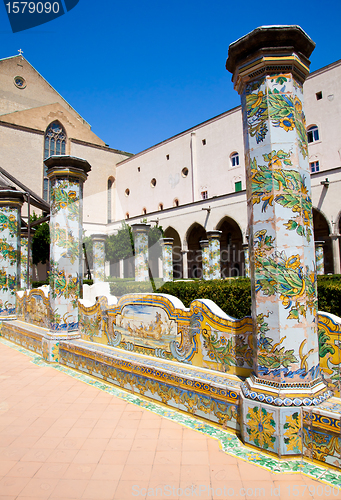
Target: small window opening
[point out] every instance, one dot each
(204, 142)
(318, 95)
(204, 195)
(234, 159)
(314, 166)
(167, 156)
(313, 134)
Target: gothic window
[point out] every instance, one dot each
(54, 144)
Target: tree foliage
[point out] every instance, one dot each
(120, 246)
(40, 242)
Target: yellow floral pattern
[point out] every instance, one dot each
(261, 427)
(292, 437)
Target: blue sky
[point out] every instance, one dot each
(140, 72)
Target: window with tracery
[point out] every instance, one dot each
(54, 144)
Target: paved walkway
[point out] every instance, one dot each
(62, 439)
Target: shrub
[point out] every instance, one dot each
(233, 296)
(329, 294)
(121, 287)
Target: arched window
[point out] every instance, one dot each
(144, 211)
(54, 144)
(313, 134)
(160, 206)
(234, 158)
(109, 190)
(176, 203)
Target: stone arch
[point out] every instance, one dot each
(170, 232)
(231, 248)
(322, 231)
(194, 235)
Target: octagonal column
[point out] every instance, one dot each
(205, 259)
(269, 66)
(98, 245)
(11, 202)
(319, 257)
(213, 238)
(167, 258)
(67, 175)
(140, 233)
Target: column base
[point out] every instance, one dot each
(286, 394)
(50, 344)
(271, 428)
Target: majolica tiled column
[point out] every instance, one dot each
(11, 202)
(23, 259)
(269, 66)
(319, 257)
(246, 260)
(140, 232)
(167, 258)
(98, 248)
(214, 253)
(67, 175)
(205, 259)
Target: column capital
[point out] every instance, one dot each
(334, 236)
(99, 237)
(140, 228)
(11, 197)
(67, 166)
(167, 241)
(269, 49)
(213, 234)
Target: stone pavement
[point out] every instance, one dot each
(64, 439)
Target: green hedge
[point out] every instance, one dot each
(122, 286)
(233, 296)
(329, 293)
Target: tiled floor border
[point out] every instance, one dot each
(229, 442)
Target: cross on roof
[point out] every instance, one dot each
(20, 52)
